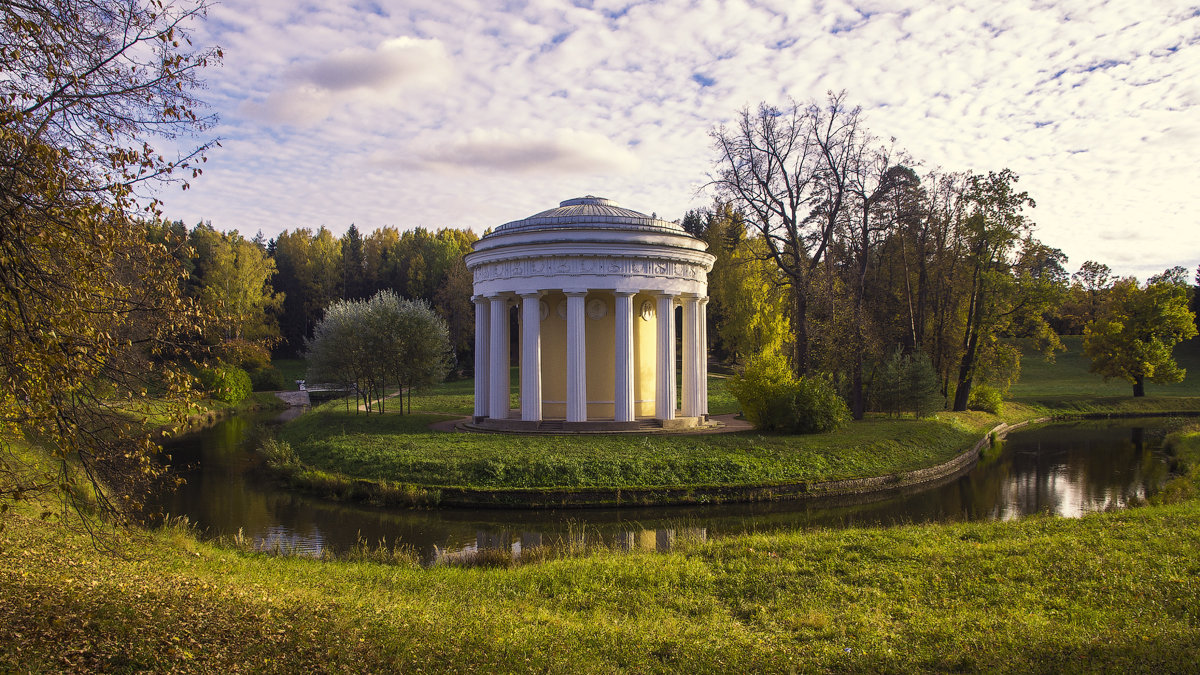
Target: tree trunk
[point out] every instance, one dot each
(962, 393)
(800, 332)
(1139, 386)
(857, 403)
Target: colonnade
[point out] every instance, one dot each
(492, 355)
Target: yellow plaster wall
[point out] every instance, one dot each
(554, 359)
(645, 345)
(601, 358)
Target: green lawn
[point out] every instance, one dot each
(1068, 379)
(402, 449)
(291, 370)
(1104, 593)
(457, 397)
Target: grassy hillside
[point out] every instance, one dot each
(1068, 375)
(1066, 383)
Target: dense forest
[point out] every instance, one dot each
(269, 295)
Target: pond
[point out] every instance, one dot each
(1067, 469)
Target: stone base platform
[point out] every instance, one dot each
(558, 426)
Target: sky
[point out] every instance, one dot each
(473, 113)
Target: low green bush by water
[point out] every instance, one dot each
(773, 399)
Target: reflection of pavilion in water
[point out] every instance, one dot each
(626, 541)
(1063, 468)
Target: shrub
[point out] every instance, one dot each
(986, 398)
(773, 399)
(279, 454)
(225, 383)
(817, 408)
(266, 379)
(761, 389)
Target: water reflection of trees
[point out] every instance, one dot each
(1059, 468)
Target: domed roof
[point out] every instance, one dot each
(589, 212)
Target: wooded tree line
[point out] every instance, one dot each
(315, 268)
(830, 244)
(269, 295)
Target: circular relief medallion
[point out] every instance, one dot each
(647, 310)
(561, 309)
(597, 308)
(543, 309)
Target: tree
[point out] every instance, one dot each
(1088, 289)
(994, 226)
(91, 306)
(369, 344)
(1137, 329)
(95, 81)
(747, 293)
(907, 383)
(354, 263)
(1196, 297)
(873, 179)
(787, 170)
(232, 281)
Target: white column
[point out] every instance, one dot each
(664, 370)
(623, 357)
(691, 360)
(482, 344)
(531, 357)
(498, 355)
(703, 319)
(576, 357)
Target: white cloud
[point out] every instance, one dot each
(396, 62)
(477, 98)
(524, 151)
(354, 75)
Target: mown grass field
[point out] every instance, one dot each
(1111, 592)
(1066, 381)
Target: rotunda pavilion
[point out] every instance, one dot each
(596, 289)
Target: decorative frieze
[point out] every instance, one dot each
(589, 265)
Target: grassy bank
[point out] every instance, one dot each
(402, 449)
(1108, 592)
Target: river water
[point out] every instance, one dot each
(1067, 469)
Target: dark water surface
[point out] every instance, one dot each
(1067, 469)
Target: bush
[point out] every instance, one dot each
(225, 383)
(772, 399)
(279, 454)
(761, 388)
(817, 408)
(986, 398)
(266, 379)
